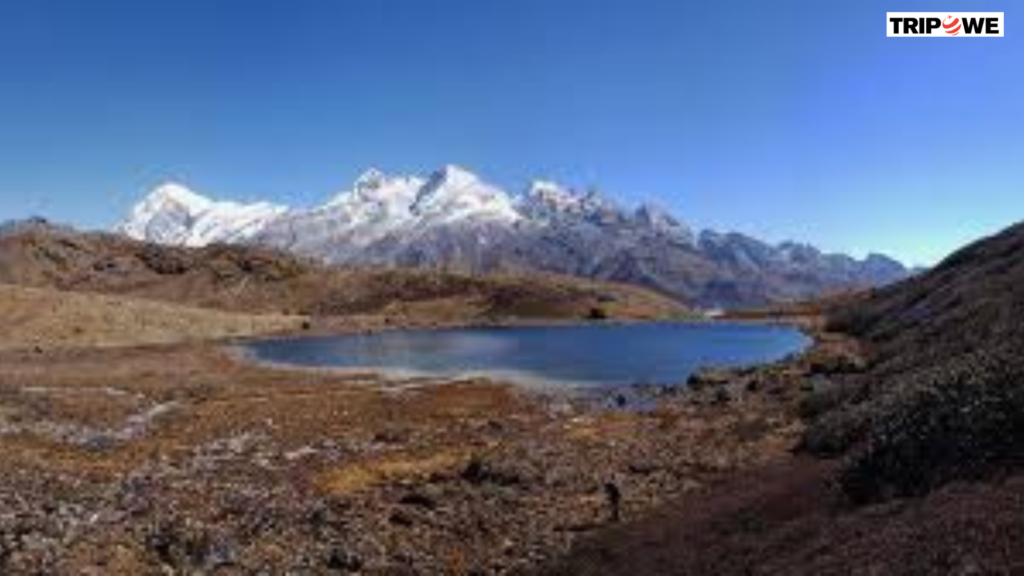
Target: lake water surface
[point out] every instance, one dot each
(601, 355)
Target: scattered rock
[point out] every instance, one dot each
(418, 499)
(342, 560)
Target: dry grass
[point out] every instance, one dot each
(247, 280)
(45, 318)
(395, 468)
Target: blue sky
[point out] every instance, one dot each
(781, 119)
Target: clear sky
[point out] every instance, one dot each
(781, 119)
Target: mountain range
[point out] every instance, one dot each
(453, 219)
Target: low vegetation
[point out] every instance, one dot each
(943, 396)
(252, 280)
(35, 318)
(907, 419)
(911, 453)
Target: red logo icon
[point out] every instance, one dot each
(951, 28)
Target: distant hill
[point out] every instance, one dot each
(34, 224)
(258, 280)
(455, 220)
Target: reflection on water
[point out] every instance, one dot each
(589, 355)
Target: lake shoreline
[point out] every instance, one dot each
(391, 473)
(243, 349)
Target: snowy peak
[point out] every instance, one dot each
(655, 217)
(374, 184)
(661, 221)
(173, 214)
(550, 197)
(165, 214)
(547, 199)
(172, 193)
(454, 194)
(371, 179)
(452, 176)
(546, 189)
(171, 197)
(455, 218)
(449, 195)
(375, 188)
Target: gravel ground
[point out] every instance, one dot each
(187, 460)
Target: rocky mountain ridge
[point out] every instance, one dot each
(453, 219)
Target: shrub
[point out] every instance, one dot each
(960, 431)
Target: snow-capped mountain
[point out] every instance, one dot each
(173, 214)
(455, 219)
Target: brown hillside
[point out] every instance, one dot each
(246, 279)
(919, 449)
(943, 397)
(43, 319)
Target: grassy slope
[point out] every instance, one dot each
(53, 319)
(943, 398)
(253, 280)
(917, 454)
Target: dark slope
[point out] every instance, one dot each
(972, 300)
(790, 520)
(944, 395)
(913, 463)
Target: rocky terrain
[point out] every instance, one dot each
(185, 458)
(254, 280)
(911, 462)
(893, 446)
(453, 219)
